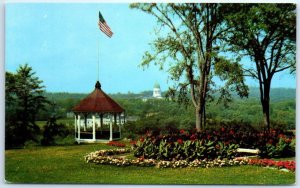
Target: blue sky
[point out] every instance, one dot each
(60, 42)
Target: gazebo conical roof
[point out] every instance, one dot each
(98, 101)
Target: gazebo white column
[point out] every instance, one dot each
(75, 125)
(94, 128)
(120, 124)
(78, 125)
(110, 129)
(85, 122)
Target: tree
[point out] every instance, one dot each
(53, 131)
(24, 99)
(189, 36)
(267, 34)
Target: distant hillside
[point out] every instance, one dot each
(277, 94)
(64, 95)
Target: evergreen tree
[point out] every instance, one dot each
(24, 99)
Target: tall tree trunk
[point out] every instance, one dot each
(266, 112)
(266, 104)
(198, 119)
(204, 117)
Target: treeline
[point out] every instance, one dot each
(276, 94)
(164, 112)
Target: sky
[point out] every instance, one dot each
(60, 42)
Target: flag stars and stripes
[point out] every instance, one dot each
(104, 27)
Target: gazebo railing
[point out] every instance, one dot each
(100, 135)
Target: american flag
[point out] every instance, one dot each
(103, 26)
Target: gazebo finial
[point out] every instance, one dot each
(98, 85)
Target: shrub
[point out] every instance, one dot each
(222, 143)
(55, 134)
(188, 150)
(64, 140)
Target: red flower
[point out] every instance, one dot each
(231, 132)
(133, 142)
(142, 158)
(270, 141)
(193, 137)
(288, 140)
(222, 129)
(182, 131)
(115, 143)
(273, 131)
(179, 141)
(208, 136)
(142, 139)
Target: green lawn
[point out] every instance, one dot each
(65, 164)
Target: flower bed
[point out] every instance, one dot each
(290, 165)
(105, 157)
(115, 143)
(184, 150)
(93, 156)
(213, 144)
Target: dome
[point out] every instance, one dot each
(156, 85)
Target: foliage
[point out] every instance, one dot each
(188, 40)
(284, 147)
(213, 144)
(267, 34)
(24, 99)
(56, 134)
(183, 150)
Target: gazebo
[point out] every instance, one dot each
(98, 103)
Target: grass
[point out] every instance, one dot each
(65, 164)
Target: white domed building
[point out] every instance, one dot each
(157, 91)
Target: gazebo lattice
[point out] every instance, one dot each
(98, 104)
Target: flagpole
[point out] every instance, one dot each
(106, 30)
(98, 63)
